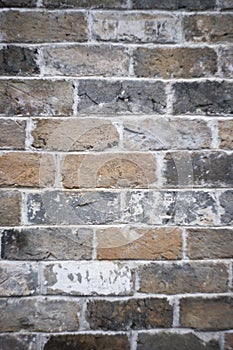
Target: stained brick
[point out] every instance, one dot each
(43, 26)
(10, 208)
(225, 134)
(209, 243)
(136, 27)
(18, 341)
(226, 207)
(175, 63)
(226, 58)
(187, 5)
(203, 98)
(134, 243)
(129, 314)
(186, 278)
(35, 97)
(47, 244)
(13, 134)
(207, 314)
(109, 170)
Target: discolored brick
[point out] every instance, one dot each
(87, 342)
(10, 208)
(105, 4)
(129, 314)
(116, 170)
(207, 314)
(136, 27)
(226, 59)
(225, 129)
(13, 134)
(115, 243)
(18, 279)
(174, 341)
(43, 26)
(183, 278)
(39, 315)
(175, 63)
(16, 60)
(35, 97)
(123, 97)
(188, 5)
(203, 98)
(226, 207)
(18, 341)
(162, 133)
(47, 244)
(21, 169)
(229, 341)
(79, 60)
(17, 3)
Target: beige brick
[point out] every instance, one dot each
(10, 208)
(13, 134)
(134, 243)
(225, 128)
(229, 341)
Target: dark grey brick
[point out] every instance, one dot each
(187, 5)
(18, 341)
(226, 203)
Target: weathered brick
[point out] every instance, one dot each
(225, 134)
(175, 62)
(136, 27)
(74, 134)
(18, 279)
(73, 208)
(36, 97)
(87, 278)
(16, 60)
(13, 134)
(78, 60)
(21, 169)
(10, 208)
(187, 5)
(205, 98)
(208, 169)
(208, 28)
(138, 243)
(226, 4)
(87, 342)
(112, 170)
(47, 244)
(170, 207)
(18, 341)
(43, 26)
(105, 4)
(209, 243)
(174, 341)
(39, 315)
(226, 59)
(229, 341)
(226, 207)
(162, 133)
(18, 3)
(126, 97)
(183, 278)
(129, 314)
(207, 314)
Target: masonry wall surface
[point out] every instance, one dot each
(116, 180)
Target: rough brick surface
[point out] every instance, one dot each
(44, 26)
(105, 4)
(225, 134)
(47, 244)
(197, 5)
(226, 207)
(207, 314)
(226, 55)
(133, 243)
(10, 208)
(13, 134)
(18, 342)
(229, 341)
(226, 4)
(129, 314)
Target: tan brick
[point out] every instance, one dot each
(207, 314)
(209, 243)
(226, 59)
(10, 208)
(79, 60)
(133, 243)
(225, 128)
(136, 27)
(175, 63)
(129, 314)
(74, 135)
(208, 28)
(13, 134)
(229, 341)
(87, 278)
(23, 169)
(35, 97)
(39, 315)
(183, 278)
(43, 26)
(114, 170)
(18, 279)
(162, 133)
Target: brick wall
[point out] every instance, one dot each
(116, 174)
